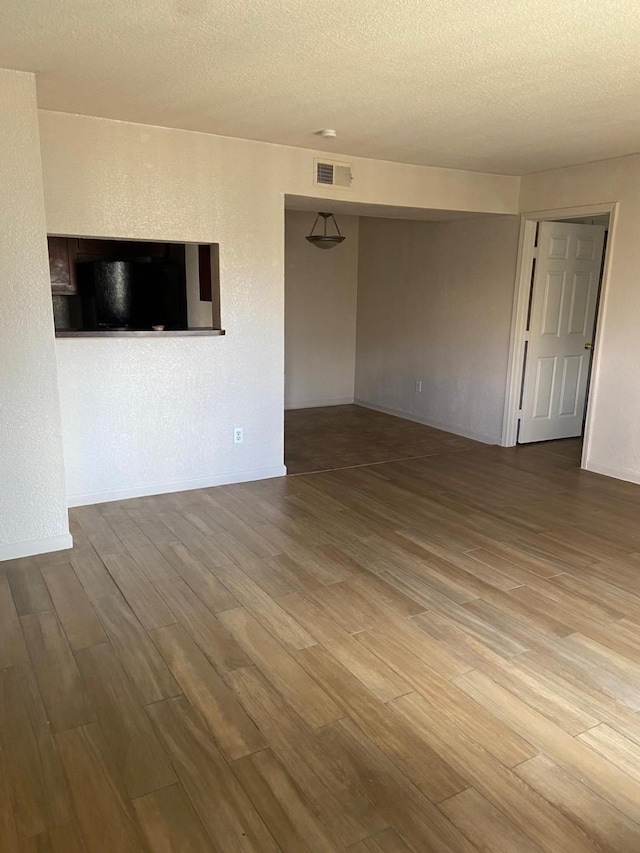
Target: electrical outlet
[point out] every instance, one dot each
(418, 386)
(238, 435)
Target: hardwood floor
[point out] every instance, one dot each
(437, 654)
(325, 439)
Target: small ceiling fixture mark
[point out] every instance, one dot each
(327, 133)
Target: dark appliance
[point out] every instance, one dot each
(132, 291)
(108, 295)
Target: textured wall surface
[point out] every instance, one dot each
(613, 436)
(434, 305)
(158, 414)
(151, 415)
(320, 314)
(32, 502)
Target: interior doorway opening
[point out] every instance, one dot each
(560, 283)
(408, 317)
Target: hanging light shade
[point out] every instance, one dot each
(324, 240)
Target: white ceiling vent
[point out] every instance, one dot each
(328, 173)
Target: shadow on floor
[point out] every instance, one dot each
(324, 439)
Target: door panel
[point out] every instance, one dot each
(565, 296)
(587, 248)
(569, 392)
(579, 319)
(545, 373)
(552, 311)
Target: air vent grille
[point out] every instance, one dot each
(331, 174)
(324, 174)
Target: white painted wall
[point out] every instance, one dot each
(613, 429)
(434, 304)
(144, 416)
(320, 314)
(33, 516)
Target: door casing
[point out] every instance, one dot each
(526, 254)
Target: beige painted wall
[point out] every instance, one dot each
(33, 516)
(434, 305)
(145, 416)
(613, 436)
(320, 314)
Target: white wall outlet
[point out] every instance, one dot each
(238, 435)
(418, 386)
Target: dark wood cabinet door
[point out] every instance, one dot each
(62, 268)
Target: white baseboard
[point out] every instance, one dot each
(617, 473)
(411, 416)
(318, 404)
(36, 546)
(179, 486)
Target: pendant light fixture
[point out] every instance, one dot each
(324, 240)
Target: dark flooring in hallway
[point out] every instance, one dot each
(324, 439)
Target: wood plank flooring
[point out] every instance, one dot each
(436, 654)
(332, 437)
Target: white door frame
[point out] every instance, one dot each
(526, 254)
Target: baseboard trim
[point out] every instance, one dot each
(318, 404)
(178, 486)
(411, 416)
(36, 546)
(616, 473)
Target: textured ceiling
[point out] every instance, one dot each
(491, 85)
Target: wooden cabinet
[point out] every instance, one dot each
(62, 267)
(66, 252)
(88, 248)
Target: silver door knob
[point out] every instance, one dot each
(588, 346)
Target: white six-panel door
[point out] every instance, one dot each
(561, 326)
